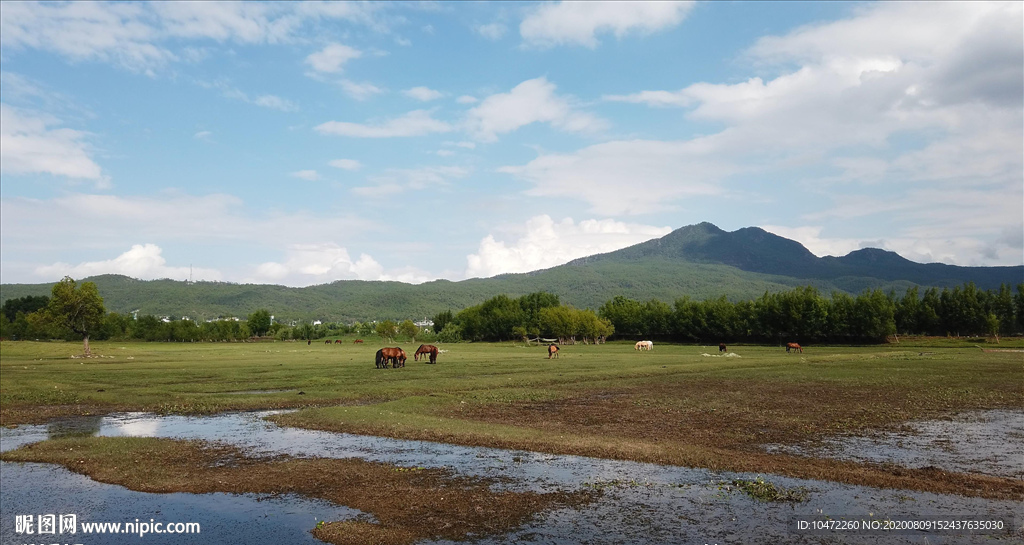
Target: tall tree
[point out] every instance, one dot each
(75, 308)
(259, 322)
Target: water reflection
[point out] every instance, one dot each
(643, 503)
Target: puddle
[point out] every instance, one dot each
(642, 503)
(988, 442)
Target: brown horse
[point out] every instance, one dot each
(794, 346)
(722, 348)
(396, 356)
(337, 341)
(328, 341)
(357, 341)
(426, 350)
(552, 351)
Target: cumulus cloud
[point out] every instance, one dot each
(346, 164)
(579, 23)
(34, 143)
(925, 103)
(467, 99)
(142, 261)
(310, 175)
(332, 58)
(544, 243)
(529, 102)
(492, 31)
(423, 94)
(310, 264)
(414, 123)
(359, 91)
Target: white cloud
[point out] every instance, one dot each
(578, 23)
(466, 99)
(543, 243)
(332, 58)
(398, 180)
(925, 101)
(43, 224)
(628, 177)
(414, 123)
(810, 237)
(141, 36)
(346, 164)
(142, 261)
(310, 175)
(359, 91)
(266, 101)
(445, 152)
(202, 135)
(321, 263)
(423, 94)
(654, 98)
(529, 102)
(309, 264)
(32, 144)
(492, 31)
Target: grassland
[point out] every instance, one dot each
(672, 405)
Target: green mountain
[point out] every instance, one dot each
(700, 261)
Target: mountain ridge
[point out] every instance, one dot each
(700, 261)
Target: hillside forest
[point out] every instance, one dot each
(802, 314)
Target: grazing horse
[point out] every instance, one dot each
(357, 341)
(644, 345)
(426, 350)
(328, 341)
(337, 341)
(379, 360)
(552, 351)
(794, 346)
(395, 355)
(638, 346)
(721, 347)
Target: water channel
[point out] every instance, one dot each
(642, 503)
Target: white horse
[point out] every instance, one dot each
(644, 345)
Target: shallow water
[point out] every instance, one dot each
(643, 503)
(988, 442)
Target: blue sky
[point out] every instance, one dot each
(304, 143)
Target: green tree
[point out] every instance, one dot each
(27, 304)
(441, 320)
(408, 329)
(387, 330)
(78, 309)
(451, 333)
(259, 322)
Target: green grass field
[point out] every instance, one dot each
(671, 405)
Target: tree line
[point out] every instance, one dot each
(802, 314)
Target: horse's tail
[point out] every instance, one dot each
(379, 357)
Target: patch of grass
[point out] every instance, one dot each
(762, 490)
(670, 405)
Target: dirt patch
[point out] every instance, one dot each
(406, 504)
(729, 414)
